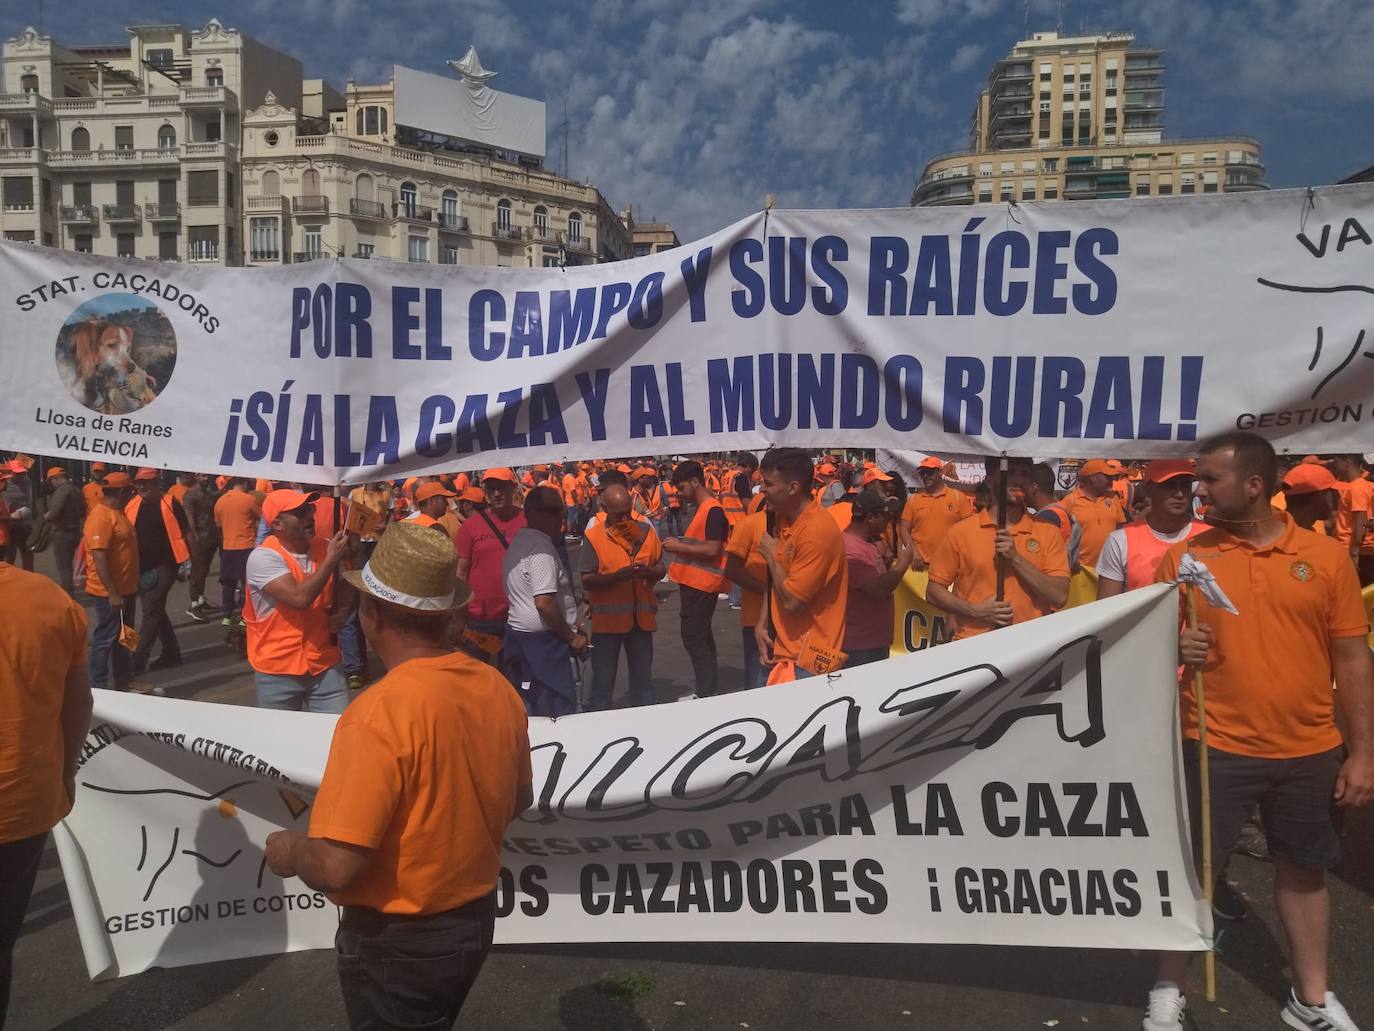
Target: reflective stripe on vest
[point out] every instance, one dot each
(732, 502)
(618, 609)
(1145, 551)
(180, 551)
(699, 573)
(288, 641)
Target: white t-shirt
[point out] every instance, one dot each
(532, 567)
(266, 565)
(1111, 561)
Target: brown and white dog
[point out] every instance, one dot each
(108, 380)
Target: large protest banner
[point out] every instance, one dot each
(1117, 327)
(1020, 788)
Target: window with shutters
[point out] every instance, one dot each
(81, 243)
(167, 246)
(202, 188)
(124, 245)
(124, 137)
(81, 138)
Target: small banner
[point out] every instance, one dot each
(1018, 788)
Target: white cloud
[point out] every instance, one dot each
(966, 57)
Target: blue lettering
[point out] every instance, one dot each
(859, 379)
(1061, 387)
(748, 298)
(526, 326)
(472, 431)
(1111, 406)
(815, 391)
(546, 416)
(933, 281)
(383, 432)
(310, 451)
(486, 305)
(1091, 243)
(775, 391)
(677, 403)
(506, 434)
(570, 318)
(344, 455)
(646, 405)
(888, 257)
(404, 322)
(595, 392)
(614, 299)
(646, 306)
(824, 252)
(732, 395)
(902, 378)
(352, 331)
(1011, 406)
(300, 317)
(435, 410)
(787, 275)
(254, 448)
(694, 273)
(1049, 270)
(1006, 250)
(964, 378)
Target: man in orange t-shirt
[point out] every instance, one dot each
(92, 492)
(1093, 505)
(426, 770)
(112, 580)
(1355, 514)
(45, 696)
(236, 514)
(745, 565)
(1271, 731)
(1037, 569)
(809, 574)
(930, 512)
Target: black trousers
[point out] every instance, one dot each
(64, 545)
(698, 608)
(153, 623)
(18, 868)
(411, 972)
(202, 554)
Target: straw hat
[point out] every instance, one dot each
(413, 567)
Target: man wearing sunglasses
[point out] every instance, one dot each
(1132, 554)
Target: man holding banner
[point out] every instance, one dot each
(808, 577)
(1272, 738)
(964, 576)
(425, 772)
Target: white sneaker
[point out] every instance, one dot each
(1329, 1016)
(1164, 1011)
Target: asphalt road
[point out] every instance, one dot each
(683, 987)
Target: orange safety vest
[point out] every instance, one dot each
(700, 573)
(620, 608)
(420, 519)
(180, 551)
(292, 642)
(1145, 551)
(756, 503)
(653, 503)
(713, 484)
(730, 501)
(670, 492)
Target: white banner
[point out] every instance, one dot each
(1132, 327)
(1019, 789)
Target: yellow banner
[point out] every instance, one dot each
(916, 624)
(1368, 593)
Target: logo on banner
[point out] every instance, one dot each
(116, 353)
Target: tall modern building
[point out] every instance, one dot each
(131, 149)
(1077, 118)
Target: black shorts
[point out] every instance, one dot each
(233, 565)
(1300, 817)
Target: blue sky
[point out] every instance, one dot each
(693, 111)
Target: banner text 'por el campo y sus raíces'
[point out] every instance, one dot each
(1130, 327)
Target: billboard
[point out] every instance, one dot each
(467, 108)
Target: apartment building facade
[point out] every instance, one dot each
(383, 176)
(1078, 118)
(131, 149)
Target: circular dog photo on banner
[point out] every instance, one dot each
(116, 353)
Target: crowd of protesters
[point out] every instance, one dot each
(464, 585)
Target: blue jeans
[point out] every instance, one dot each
(754, 673)
(639, 657)
(863, 656)
(352, 645)
(105, 650)
(321, 692)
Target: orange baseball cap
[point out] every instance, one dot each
(874, 475)
(117, 480)
(473, 494)
(284, 500)
(1311, 460)
(1308, 478)
(433, 490)
(623, 468)
(1106, 466)
(145, 474)
(56, 470)
(503, 473)
(825, 469)
(931, 462)
(644, 470)
(1162, 469)
(15, 466)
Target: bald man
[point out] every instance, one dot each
(622, 559)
